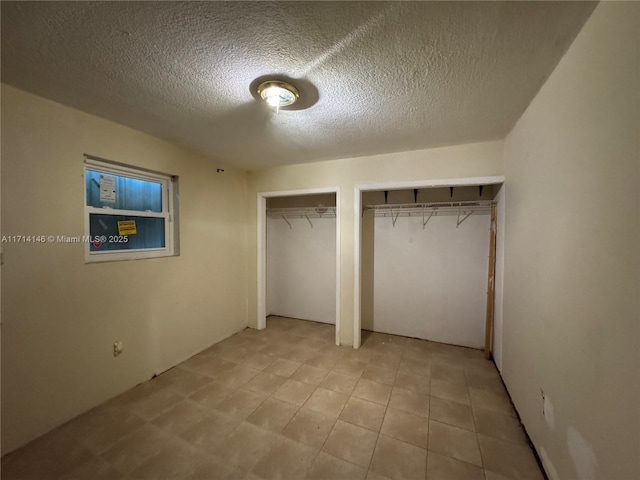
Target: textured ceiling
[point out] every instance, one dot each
(390, 76)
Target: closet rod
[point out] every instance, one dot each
(302, 212)
(431, 209)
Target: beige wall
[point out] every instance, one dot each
(61, 316)
(480, 159)
(571, 312)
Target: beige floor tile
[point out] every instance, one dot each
(509, 459)
(273, 415)
(408, 401)
(388, 349)
(288, 460)
(324, 361)
(246, 445)
(313, 344)
(339, 383)
(196, 413)
(328, 467)
(415, 383)
(363, 413)
(449, 374)
(283, 367)
(358, 354)
(352, 368)
(351, 443)
(371, 475)
(389, 362)
(273, 348)
(298, 354)
(211, 395)
(399, 460)
(294, 392)
(497, 425)
(418, 367)
(265, 383)
(259, 361)
(241, 403)
(440, 467)
(181, 381)
(447, 358)
(146, 401)
(237, 377)
(450, 391)
(379, 374)
(372, 391)
(326, 402)
(454, 442)
(212, 367)
(309, 374)
(479, 363)
(181, 417)
(422, 354)
(452, 413)
(135, 449)
(94, 469)
(211, 433)
(309, 427)
(236, 353)
(498, 403)
(406, 427)
(54, 454)
(101, 427)
(489, 475)
(181, 462)
(218, 469)
(485, 380)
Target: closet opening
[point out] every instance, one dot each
(299, 262)
(423, 256)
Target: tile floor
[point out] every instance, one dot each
(286, 403)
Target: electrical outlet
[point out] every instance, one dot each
(543, 400)
(117, 348)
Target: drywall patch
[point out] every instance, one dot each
(582, 454)
(551, 471)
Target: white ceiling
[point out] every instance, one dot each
(390, 76)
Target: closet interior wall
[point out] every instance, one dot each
(301, 257)
(426, 280)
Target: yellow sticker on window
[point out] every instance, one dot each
(127, 227)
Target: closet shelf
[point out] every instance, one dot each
(435, 208)
(302, 212)
(462, 210)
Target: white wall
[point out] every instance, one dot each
(61, 316)
(572, 255)
(301, 269)
(431, 283)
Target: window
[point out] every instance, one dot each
(129, 212)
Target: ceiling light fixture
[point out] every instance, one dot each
(278, 94)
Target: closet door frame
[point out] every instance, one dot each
(357, 234)
(262, 249)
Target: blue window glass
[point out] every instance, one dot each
(149, 232)
(130, 193)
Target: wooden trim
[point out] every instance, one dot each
(491, 284)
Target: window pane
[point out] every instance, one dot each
(123, 193)
(149, 232)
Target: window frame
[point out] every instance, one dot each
(168, 202)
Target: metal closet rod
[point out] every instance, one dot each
(438, 208)
(428, 210)
(301, 212)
